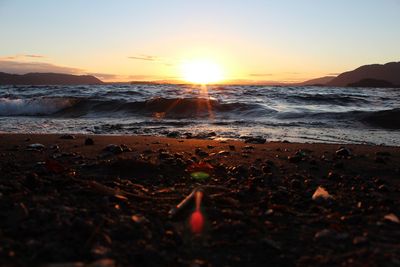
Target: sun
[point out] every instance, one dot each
(201, 71)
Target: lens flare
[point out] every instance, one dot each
(201, 72)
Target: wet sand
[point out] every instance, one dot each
(86, 204)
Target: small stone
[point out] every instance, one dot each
(115, 149)
(321, 193)
(359, 240)
(36, 146)
(67, 136)
(224, 153)
(392, 218)
(255, 140)
(89, 141)
(200, 152)
(343, 152)
(173, 134)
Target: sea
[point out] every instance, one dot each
(277, 113)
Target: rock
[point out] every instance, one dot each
(359, 240)
(328, 234)
(343, 152)
(391, 217)
(198, 151)
(321, 193)
(255, 140)
(36, 146)
(173, 134)
(232, 148)
(210, 146)
(294, 159)
(89, 141)
(67, 136)
(115, 149)
(223, 153)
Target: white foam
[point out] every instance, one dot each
(35, 106)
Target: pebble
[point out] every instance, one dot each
(200, 152)
(255, 140)
(89, 141)
(359, 240)
(67, 136)
(321, 193)
(36, 146)
(343, 152)
(115, 149)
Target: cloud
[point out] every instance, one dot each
(145, 57)
(34, 56)
(260, 74)
(21, 57)
(19, 67)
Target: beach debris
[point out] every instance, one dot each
(137, 218)
(200, 166)
(54, 166)
(197, 218)
(321, 193)
(89, 141)
(115, 149)
(392, 218)
(343, 152)
(255, 140)
(198, 151)
(36, 146)
(200, 176)
(223, 153)
(67, 137)
(184, 203)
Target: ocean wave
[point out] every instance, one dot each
(33, 106)
(389, 119)
(161, 107)
(329, 99)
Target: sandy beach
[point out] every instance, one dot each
(106, 201)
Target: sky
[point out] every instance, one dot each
(260, 40)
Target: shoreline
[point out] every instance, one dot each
(81, 201)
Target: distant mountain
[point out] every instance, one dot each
(317, 81)
(373, 83)
(389, 72)
(47, 79)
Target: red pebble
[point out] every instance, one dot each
(197, 222)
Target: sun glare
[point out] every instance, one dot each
(201, 72)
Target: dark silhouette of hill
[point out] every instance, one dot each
(389, 72)
(317, 81)
(373, 83)
(47, 79)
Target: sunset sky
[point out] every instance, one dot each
(268, 40)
